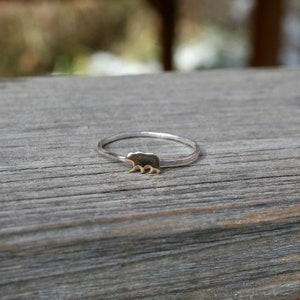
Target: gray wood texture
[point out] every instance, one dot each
(75, 225)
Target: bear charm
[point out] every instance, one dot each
(144, 161)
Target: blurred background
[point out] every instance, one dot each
(101, 37)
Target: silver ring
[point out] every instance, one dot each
(143, 161)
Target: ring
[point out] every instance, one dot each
(142, 161)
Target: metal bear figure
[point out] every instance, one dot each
(144, 161)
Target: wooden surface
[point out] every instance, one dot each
(75, 225)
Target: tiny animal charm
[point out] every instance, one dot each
(144, 161)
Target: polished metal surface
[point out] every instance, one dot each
(164, 162)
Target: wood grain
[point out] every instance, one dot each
(75, 225)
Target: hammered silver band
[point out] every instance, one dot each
(164, 161)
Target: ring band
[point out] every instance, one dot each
(143, 161)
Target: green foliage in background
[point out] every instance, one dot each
(58, 36)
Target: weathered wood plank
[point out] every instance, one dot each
(75, 225)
